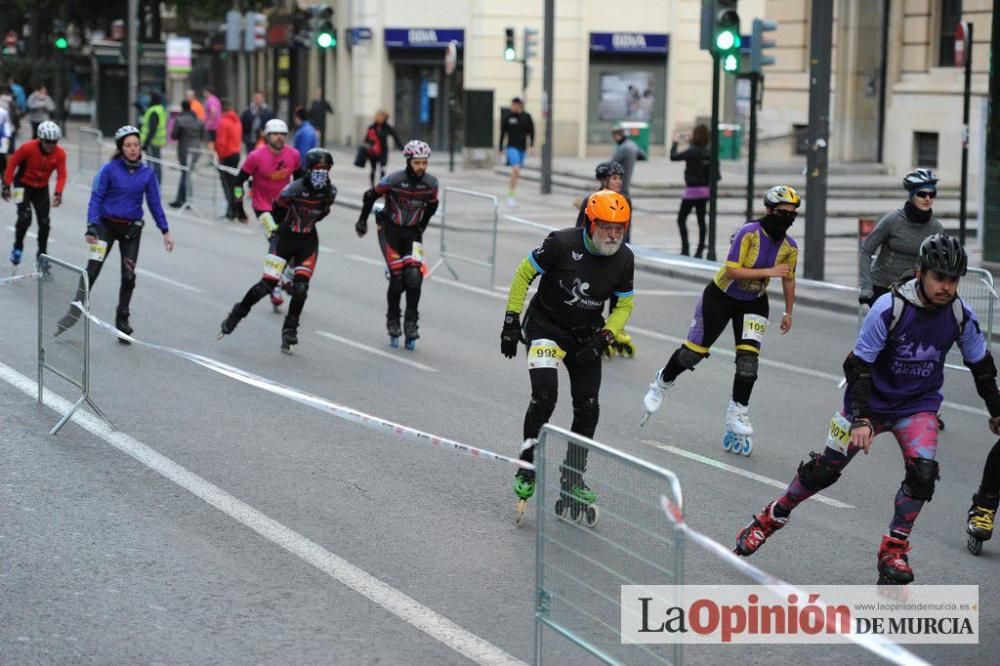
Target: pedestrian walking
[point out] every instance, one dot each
(518, 130)
(697, 172)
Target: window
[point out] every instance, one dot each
(951, 14)
(925, 148)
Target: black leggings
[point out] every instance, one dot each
(380, 161)
(584, 386)
(37, 197)
(991, 473)
(699, 211)
(713, 312)
(127, 236)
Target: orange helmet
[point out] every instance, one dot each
(608, 206)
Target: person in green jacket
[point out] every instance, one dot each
(154, 132)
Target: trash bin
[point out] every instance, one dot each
(637, 131)
(730, 141)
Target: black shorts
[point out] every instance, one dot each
(715, 309)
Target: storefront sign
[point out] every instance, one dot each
(178, 55)
(422, 38)
(628, 42)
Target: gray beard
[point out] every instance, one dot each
(606, 248)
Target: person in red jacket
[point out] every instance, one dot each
(28, 171)
(227, 147)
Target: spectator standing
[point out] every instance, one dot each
(253, 118)
(187, 132)
(306, 137)
(197, 108)
(697, 172)
(627, 154)
(40, 108)
(227, 150)
(154, 132)
(319, 109)
(213, 112)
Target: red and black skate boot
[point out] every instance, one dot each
(763, 525)
(893, 566)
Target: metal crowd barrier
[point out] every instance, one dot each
(976, 290)
(579, 567)
(491, 260)
(63, 333)
(90, 135)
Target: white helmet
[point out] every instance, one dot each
(275, 126)
(124, 131)
(416, 149)
(49, 131)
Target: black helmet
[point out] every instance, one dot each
(920, 179)
(318, 156)
(944, 255)
(607, 169)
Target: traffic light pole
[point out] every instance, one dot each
(322, 94)
(133, 60)
(756, 79)
(713, 185)
(547, 82)
(965, 135)
(817, 158)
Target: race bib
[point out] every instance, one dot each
(418, 251)
(18, 195)
(274, 266)
(754, 327)
(840, 433)
(544, 354)
(98, 250)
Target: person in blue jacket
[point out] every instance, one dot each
(306, 136)
(115, 214)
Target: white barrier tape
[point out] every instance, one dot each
(316, 402)
(886, 649)
(17, 278)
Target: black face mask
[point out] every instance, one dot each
(776, 224)
(914, 214)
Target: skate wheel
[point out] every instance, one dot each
(520, 512)
(747, 447)
(940, 423)
(592, 516)
(411, 344)
(286, 349)
(393, 342)
(562, 511)
(974, 545)
(727, 442)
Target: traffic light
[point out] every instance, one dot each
(61, 43)
(530, 43)
(757, 45)
(509, 52)
(323, 30)
(255, 36)
(726, 35)
(59, 40)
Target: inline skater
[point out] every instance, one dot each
(894, 378)
(891, 251)
(293, 239)
(115, 214)
(761, 249)
(982, 513)
(272, 167)
(28, 172)
(610, 176)
(580, 269)
(411, 199)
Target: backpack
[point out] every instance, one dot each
(957, 308)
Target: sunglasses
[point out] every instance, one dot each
(926, 195)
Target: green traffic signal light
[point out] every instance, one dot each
(61, 43)
(727, 40)
(509, 54)
(326, 40)
(730, 63)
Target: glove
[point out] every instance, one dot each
(995, 425)
(6, 193)
(57, 199)
(361, 228)
(592, 351)
(510, 336)
(270, 226)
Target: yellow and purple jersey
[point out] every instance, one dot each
(752, 248)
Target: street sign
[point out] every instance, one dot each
(961, 43)
(178, 55)
(450, 57)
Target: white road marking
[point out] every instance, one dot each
(399, 604)
(365, 260)
(323, 248)
(741, 472)
(398, 358)
(179, 285)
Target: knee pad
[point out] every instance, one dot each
(412, 277)
(262, 288)
(688, 358)
(746, 366)
(817, 474)
(24, 215)
(921, 474)
(298, 288)
(43, 223)
(540, 409)
(585, 416)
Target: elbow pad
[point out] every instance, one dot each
(859, 386)
(984, 374)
